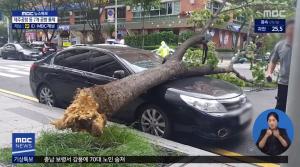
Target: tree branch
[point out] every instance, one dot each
(209, 70)
(250, 5)
(237, 74)
(199, 38)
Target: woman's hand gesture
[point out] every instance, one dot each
(276, 133)
(269, 133)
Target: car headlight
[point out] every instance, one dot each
(26, 53)
(208, 106)
(243, 98)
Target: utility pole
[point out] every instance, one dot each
(116, 20)
(293, 104)
(8, 29)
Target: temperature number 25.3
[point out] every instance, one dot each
(277, 29)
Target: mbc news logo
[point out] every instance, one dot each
(274, 13)
(27, 13)
(23, 140)
(23, 147)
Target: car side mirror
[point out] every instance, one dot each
(119, 74)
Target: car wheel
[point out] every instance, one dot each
(46, 96)
(4, 57)
(154, 121)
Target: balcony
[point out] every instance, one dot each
(120, 2)
(168, 21)
(154, 22)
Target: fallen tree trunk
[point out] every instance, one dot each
(88, 110)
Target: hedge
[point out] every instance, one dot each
(157, 46)
(152, 39)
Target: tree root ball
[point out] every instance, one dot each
(83, 115)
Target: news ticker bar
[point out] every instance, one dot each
(155, 159)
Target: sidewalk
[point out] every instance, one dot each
(21, 115)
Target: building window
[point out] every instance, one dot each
(154, 11)
(213, 6)
(170, 7)
(80, 17)
(165, 8)
(121, 12)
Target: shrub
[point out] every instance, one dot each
(153, 39)
(193, 57)
(185, 35)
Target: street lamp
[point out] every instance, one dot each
(8, 29)
(116, 20)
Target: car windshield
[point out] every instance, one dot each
(22, 46)
(140, 60)
(37, 45)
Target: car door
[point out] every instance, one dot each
(13, 52)
(102, 67)
(70, 68)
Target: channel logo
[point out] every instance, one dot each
(23, 147)
(27, 13)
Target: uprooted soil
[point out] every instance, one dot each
(83, 115)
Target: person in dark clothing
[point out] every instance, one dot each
(282, 53)
(274, 140)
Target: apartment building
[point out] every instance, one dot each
(171, 15)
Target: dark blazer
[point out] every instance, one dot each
(273, 145)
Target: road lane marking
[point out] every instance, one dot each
(27, 67)
(19, 72)
(5, 71)
(16, 67)
(7, 68)
(229, 153)
(19, 95)
(9, 75)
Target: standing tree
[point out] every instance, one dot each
(57, 5)
(199, 19)
(93, 9)
(247, 11)
(7, 6)
(3, 33)
(250, 10)
(145, 6)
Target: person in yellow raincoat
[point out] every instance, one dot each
(164, 50)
